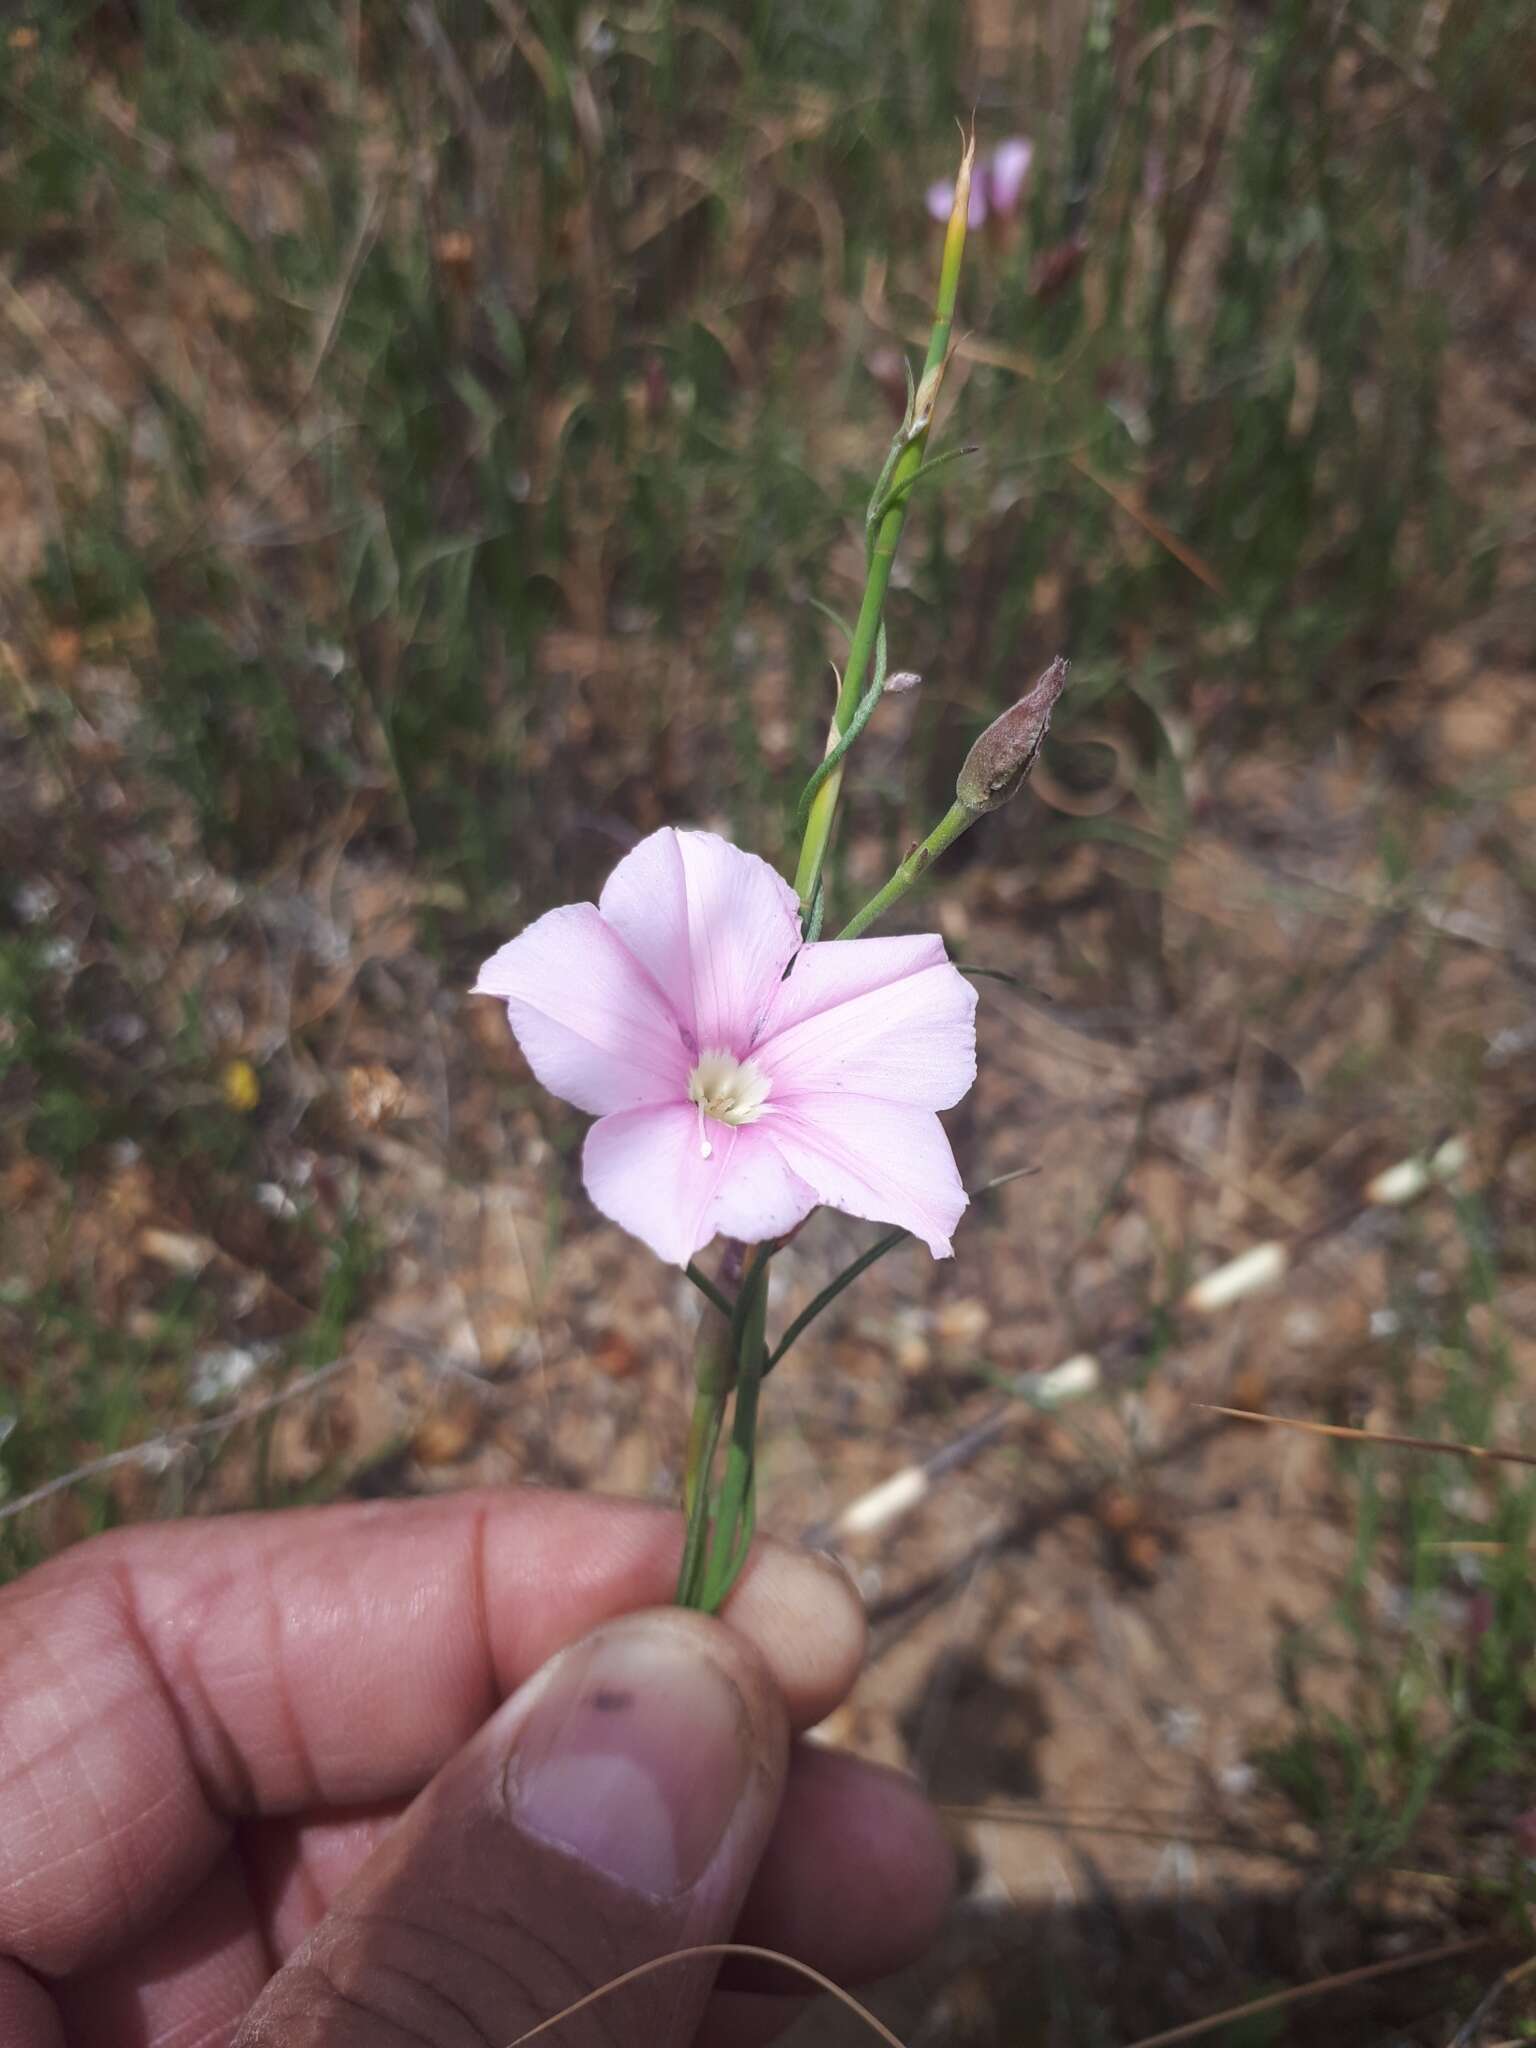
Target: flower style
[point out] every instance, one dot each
(732, 1098)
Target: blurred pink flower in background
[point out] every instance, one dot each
(997, 184)
(730, 1099)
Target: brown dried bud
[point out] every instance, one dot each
(1006, 751)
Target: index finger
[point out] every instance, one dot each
(162, 1681)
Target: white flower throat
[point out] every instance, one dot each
(730, 1090)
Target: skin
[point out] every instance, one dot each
(221, 1741)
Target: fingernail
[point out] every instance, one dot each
(634, 1758)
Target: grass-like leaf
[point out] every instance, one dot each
(831, 1291)
(709, 1290)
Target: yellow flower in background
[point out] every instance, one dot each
(240, 1087)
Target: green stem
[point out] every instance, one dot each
(703, 1439)
(730, 1359)
(737, 1511)
(704, 1423)
(731, 1355)
(714, 1373)
(818, 826)
(956, 819)
(889, 513)
(864, 711)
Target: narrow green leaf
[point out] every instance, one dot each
(735, 1516)
(837, 618)
(831, 1291)
(904, 490)
(862, 1263)
(691, 1573)
(814, 917)
(709, 1290)
(992, 974)
(861, 717)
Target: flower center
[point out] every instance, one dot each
(730, 1090)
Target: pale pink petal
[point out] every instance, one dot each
(645, 899)
(834, 971)
(744, 923)
(714, 925)
(760, 1195)
(939, 198)
(645, 1171)
(885, 1161)
(591, 1022)
(1008, 169)
(880, 1017)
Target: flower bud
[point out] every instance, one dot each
(1006, 751)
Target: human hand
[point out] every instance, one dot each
(312, 1779)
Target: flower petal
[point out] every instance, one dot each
(939, 199)
(883, 1017)
(714, 925)
(592, 1023)
(760, 1194)
(645, 900)
(1006, 172)
(885, 1161)
(643, 1168)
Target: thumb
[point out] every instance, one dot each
(613, 1810)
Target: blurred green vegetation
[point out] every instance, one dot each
(516, 352)
(1434, 1713)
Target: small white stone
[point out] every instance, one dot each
(1182, 1726)
(62, 955)
(223, 1370)
(35, 901)
(1259, 1267)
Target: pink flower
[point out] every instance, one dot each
(1006, 172)
(731, 1099)
(997, 184)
